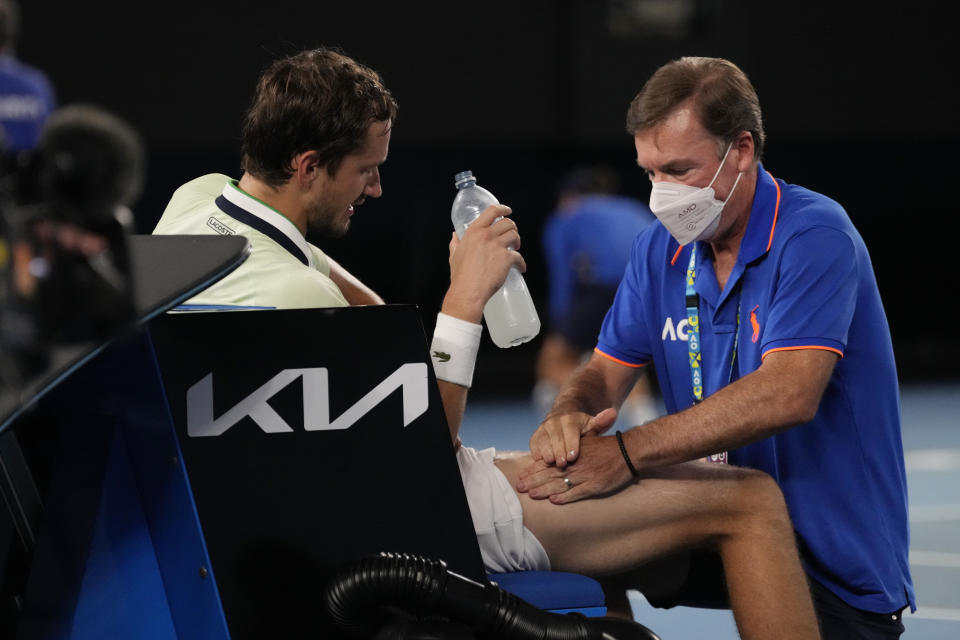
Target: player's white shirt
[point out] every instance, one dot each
(283, 271)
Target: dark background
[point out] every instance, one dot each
(860, 103)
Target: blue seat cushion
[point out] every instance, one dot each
(552, 590)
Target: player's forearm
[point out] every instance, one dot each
(453, 353)
(358, 293)
(454, 400)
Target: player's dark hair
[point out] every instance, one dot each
(318, 100)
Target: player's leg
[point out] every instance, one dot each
(739, 512)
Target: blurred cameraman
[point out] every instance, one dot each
(64, 263)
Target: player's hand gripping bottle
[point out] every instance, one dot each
(510, 315)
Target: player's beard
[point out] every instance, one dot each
(328, 223)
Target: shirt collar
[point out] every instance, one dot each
(763, 218)
(276, 220)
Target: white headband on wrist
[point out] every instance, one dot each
(454, 349)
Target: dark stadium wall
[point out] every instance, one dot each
(857, 105)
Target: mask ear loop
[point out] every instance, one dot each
(725, 154)
(735, 182)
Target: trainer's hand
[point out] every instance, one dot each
(557, 439)
(480, 261)
(599, 470)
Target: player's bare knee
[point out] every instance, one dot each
(762, 503)
(751, 501)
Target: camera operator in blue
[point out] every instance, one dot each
(756, 302)
(26, 95)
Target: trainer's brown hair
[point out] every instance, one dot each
(318, 100)
(724, 99)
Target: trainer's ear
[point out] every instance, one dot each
(306, 167)
(745, 145)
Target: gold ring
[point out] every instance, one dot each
(568, 483)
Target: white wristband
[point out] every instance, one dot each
(454, 349)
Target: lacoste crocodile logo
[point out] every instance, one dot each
(441, 356)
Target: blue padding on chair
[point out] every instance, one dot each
(555, 591)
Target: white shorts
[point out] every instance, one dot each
(505, 544)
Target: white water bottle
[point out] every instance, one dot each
(510, 315)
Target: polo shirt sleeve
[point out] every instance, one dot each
(310, 289)
(816, 291)
(320, 261)
(624, 337)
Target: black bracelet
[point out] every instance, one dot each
(626, 458)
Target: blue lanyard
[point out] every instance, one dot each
(693, 339)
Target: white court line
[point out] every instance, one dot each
(935, 559)
(932, 460)
(933, 613)
(935, 512)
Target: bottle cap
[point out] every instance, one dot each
(463, 178)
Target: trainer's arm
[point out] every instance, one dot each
(352, 289)
(783, 392)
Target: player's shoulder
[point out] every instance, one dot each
(207, 186)
(190, 198)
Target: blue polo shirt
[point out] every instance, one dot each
(803, 280)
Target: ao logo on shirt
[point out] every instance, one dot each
(680, 332)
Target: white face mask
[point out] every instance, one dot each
(689, 213)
